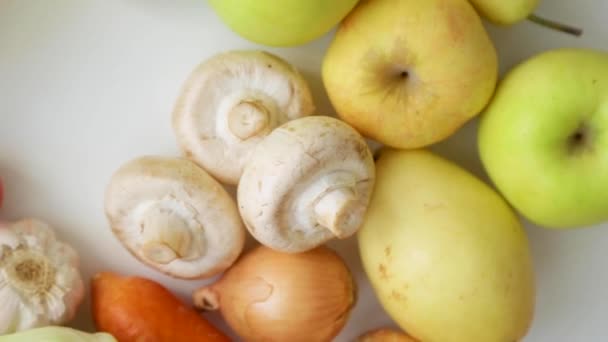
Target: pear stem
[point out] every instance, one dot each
(555, 25)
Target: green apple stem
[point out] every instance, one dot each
(555, 25)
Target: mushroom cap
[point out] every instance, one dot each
(309, 181)
(230, 102)
(155, 197)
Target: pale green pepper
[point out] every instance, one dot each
(56, 334)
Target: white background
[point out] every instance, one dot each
(88, 85)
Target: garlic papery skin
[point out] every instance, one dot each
(56, 334)
(40, 280)
(230, 102)
(309, 181)
(174, 217)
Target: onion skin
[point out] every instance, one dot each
(385, 335)
(275, 296)
(135, 309)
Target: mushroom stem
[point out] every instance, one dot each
(206, 299)
(248, 118)
(334, 210)
(167, 237)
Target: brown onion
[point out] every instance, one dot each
(269, 295)
(385, 335)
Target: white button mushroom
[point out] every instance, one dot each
(40, 281)
(308, 181)
(173, 216)
(230, 102)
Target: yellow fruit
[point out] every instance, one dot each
(385, 335)
(409, 73)
(446, 256)
(505, 12)
(282, 22)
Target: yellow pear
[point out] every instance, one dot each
(505, 12)
(510, 12)
(409, 73)
(446, 256)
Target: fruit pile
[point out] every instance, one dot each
(445, 253)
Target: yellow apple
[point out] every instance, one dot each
(409, 73)
(445, 254)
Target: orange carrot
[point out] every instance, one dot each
(141, 310)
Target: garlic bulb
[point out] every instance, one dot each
(309, 181)
(230, 102)
(40, 281)
(174, 217)
(57, 334)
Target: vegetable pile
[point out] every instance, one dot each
(445, 254)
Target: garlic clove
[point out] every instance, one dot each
(10, 308)
(68, 277)
(35, 233)
(8, 240)
(324, 175)
(230, 102)
(174, 217)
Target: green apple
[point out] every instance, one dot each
(282, 22)
(409, 73)
(544, 138)
(505, 12)
(446, 256)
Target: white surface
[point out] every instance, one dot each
(87, 85)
